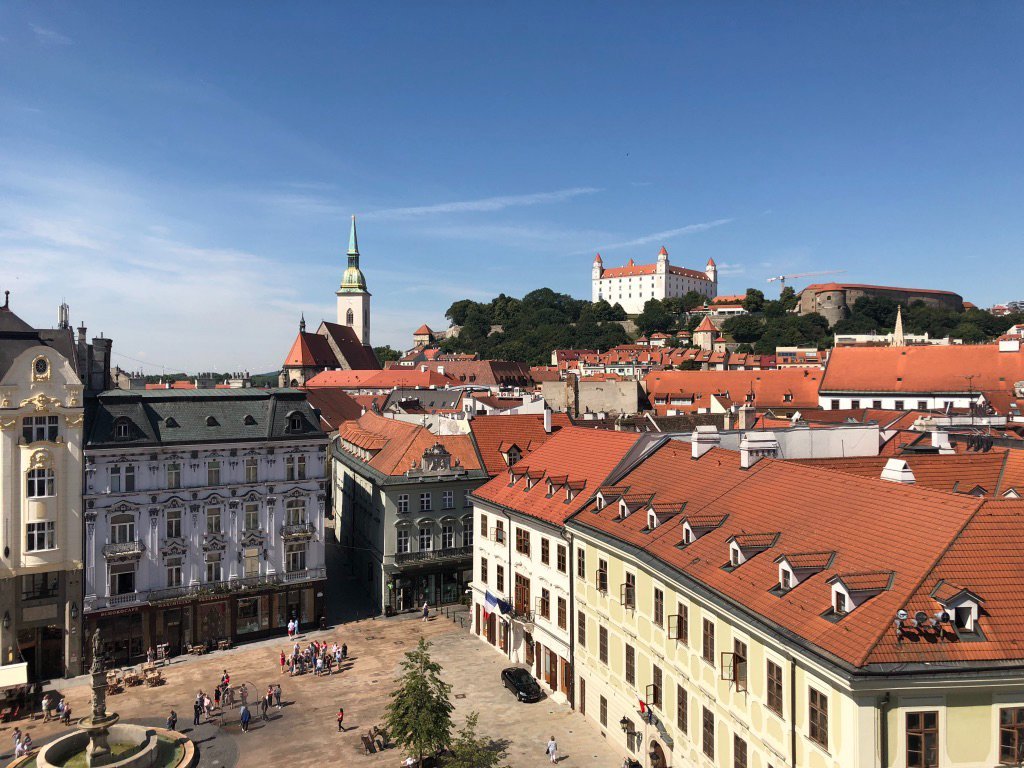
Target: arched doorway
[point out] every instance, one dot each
(657, 756)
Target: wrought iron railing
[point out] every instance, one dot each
(451, 553)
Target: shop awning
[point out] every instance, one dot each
(13, 674)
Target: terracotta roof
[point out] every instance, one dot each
(423, 330)
(896, 538)
(335, 406)
(950, 472)
(399, 443)
(926, 369)
(706, 325)
(485, 373)
(351, 350)
(492, 433)
(639, 270)
(383, 380)
(817, 287)
(311, 350)
(809, 560)
(789, 388)
(583, 455)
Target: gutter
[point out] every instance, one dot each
(883, 731)
(792, 711)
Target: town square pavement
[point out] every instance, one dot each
(304, 731)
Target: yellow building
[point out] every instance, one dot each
(785, 615)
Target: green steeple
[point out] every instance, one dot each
(353, 280)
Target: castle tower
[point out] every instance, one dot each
(712, 272)
(595, 279)
(353, 298)
(662, 265)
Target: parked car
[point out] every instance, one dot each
(521, 683)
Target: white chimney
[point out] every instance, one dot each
(547, 420)
(748, 415)
(440, 369)
(756, 446)
(940, 440)
(898, 471)
(703, 439)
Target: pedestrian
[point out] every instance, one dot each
(225, 679)
(208, 706)
(150, 656)
(426, 610)
(341, 719)
(65, 716)
(17, 738)
(46, 708)
(291, 629)
(26, 743)
(197, 711)
(282, 662)
(172, 721)
(216, 695)
(263, 707)
(344, 651)
(277, 695)
(552, 750)
(243, 694)
(244, 718)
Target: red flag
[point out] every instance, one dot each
(643, 706)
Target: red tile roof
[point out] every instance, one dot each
(382, 380)
(423, 330)
(493, 433)
(951, 472)
(790, 388)
(399, 443)
(311, 350)
(926, 369)
(706, 326)
(896, 538)
(817, 287)
(585, 456)
(335, 406)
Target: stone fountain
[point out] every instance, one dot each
(136, 746)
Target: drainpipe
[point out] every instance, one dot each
(511, 582)
(883, 731)
(792, 711)
(569, 563)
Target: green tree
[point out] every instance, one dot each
(692, 300)
(744, 328)
(470, 751)
(419, 715)
(653, 318)
(754, 301)
(788, 298)
(386, 353)
(457, 312)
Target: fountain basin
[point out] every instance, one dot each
(132, 746)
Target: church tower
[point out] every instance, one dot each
(353, 298)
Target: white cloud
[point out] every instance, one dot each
(483, 204)
(660, 237)
(48, 36)
(726, 269)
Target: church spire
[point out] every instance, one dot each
(302, 323)
(897, 334)
(353, 242)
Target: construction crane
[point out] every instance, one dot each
(783, 278)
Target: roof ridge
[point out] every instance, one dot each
(862, 659)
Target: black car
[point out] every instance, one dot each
(521, 683)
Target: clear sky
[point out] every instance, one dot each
(183, 173)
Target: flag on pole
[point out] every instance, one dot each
(643, 706)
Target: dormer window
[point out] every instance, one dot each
(170, 422)
(623, 510)
(839, 602)
(652, 520)
(736, 558)
(961, 606)
(249, 421)
(688, 537)
(211, 421)
(600, 502)
(785, 578)
(122, 429)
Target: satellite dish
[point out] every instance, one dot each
(902, 615)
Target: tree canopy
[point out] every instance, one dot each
(470, 751)
(419, 715)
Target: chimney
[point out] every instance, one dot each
(898, 471)
(547, 420)
(748, 415)
(703, 439)
(440, 369)
(940, 440)
(756, 446)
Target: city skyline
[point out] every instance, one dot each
(192, 207)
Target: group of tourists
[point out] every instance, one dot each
(22, 743)
(318, 658)
(56, 707)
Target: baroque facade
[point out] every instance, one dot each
(41, 421)
(204, 517)
(633, 285)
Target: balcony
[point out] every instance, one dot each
(294, 531)
(124, 550)
(434, 555)
(126, 599)
(237, 585)
(309, 574)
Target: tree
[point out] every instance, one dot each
(788, 298)
(754, 301)
(386, 353)
(692, 300)
(419, 715)
(744, 328)
(653, 318)
(469, 751)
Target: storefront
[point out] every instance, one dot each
(409, 589)
(129, 633)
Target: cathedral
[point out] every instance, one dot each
(344, 345)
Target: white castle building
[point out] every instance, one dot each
(634, 284)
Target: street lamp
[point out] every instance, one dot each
(7, 620)
(74, 611)
(624, 722)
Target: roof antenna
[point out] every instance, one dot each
(7, 299)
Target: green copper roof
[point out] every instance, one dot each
(353, 280)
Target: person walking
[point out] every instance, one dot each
(65, 716)
(344, 652)
(244, 718)
(197, 711)
(216, 695)
(552, 750)
(291, 629)
(283, 662)
(17, 738)
(208, 706)
(172, 721)
(341, 719)
(263, 708)
(426, 610)
(277, 695)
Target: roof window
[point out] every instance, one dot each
(211, 421)
(249, 420)
(853, 589)
(171, 422)
(794, 568)
(123, 428)
(962, 607)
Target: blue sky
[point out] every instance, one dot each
(183, 173)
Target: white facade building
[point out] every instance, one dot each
(633, 285)
(204, 517)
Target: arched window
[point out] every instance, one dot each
(349, 317)
(122, 529)
(295, 512)
(40, 482)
